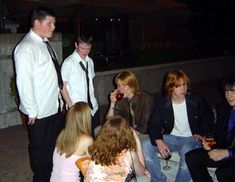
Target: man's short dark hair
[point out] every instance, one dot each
(84, 39)
(228, 83)
(40, 14)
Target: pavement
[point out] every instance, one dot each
(14, 158)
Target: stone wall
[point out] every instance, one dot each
(150, 77)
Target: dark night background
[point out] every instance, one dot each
(137, 32)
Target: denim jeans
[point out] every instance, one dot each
(181, 145)
(141, 179)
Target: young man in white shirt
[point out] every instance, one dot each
(78, 82)
(37, 83)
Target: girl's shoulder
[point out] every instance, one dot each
(84, 142)
(130, 156)
(86, 137)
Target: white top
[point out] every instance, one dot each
(181, 125)
(75, 76)
(36, 77)
(64, 169)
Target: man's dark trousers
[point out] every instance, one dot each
(42, 138)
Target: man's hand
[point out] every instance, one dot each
(218, 154)
(163, 148)
(146, 173)
(198, 137)
(205, 145)
(31, 121)
(113, 96)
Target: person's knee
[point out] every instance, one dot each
(148, 150)
(186, 148)
(145, 142)
(219, 172)
(189, 157)
(147, 146)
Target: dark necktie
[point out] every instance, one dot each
(85, 69)
(231, 124)
(56, 64)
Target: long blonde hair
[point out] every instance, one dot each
(128, 78)
(78, 122)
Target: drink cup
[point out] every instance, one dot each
(168, 156)
(119, 96)
(167, 167)
(210, 142)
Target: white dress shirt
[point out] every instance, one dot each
(36, 77)
(75, 76)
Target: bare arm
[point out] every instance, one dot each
(138, 166)
(139, 148)
(113, 101)
(85, 141)
(66, 96)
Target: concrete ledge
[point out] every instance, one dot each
(10, 118)
(150, 77)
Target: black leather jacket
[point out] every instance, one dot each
(200, 117)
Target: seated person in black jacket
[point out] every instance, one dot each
(178, 120)
(222, 154)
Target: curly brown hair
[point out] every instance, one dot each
(115, 136)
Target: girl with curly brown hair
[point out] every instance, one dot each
(115, 153)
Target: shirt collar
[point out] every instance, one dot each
(36, 36)
(78, 57)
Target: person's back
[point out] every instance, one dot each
(64, 169)
(114, 153)
(118, 172)
(72, 144)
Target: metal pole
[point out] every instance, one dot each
(2, 25)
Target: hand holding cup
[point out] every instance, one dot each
(116, 95)
(208, 143)
(119, 96)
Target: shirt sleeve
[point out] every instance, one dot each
(230, 153)
(92, 70)
(65, 71)
(24, 63)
